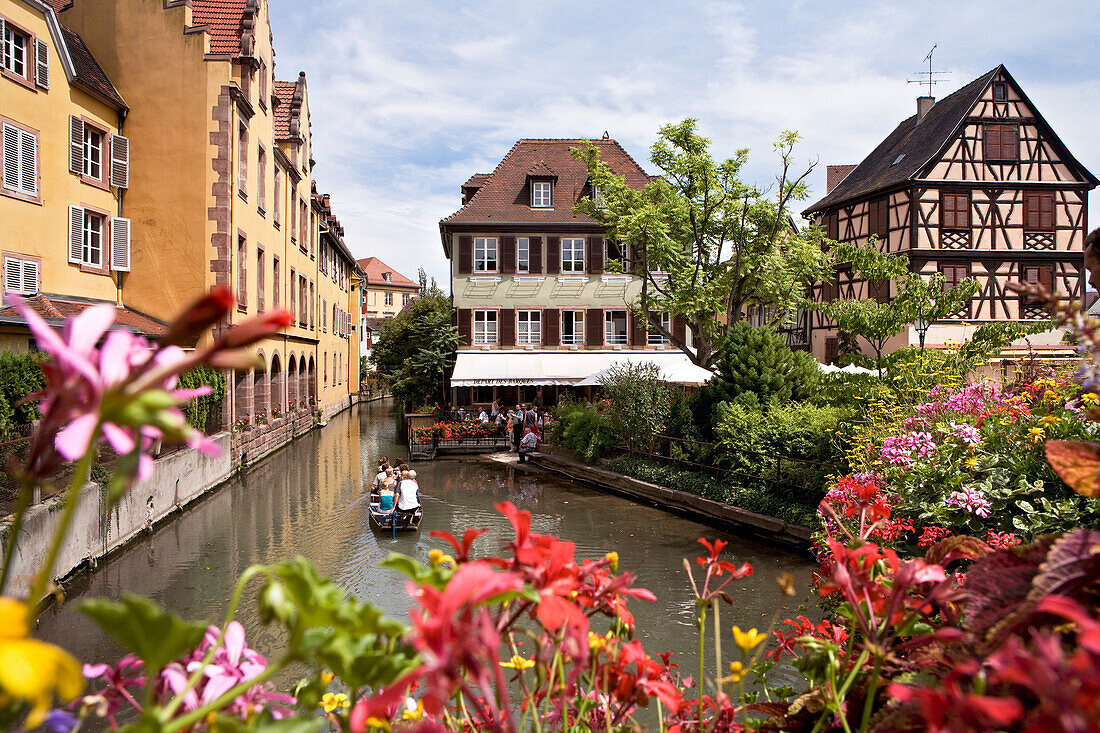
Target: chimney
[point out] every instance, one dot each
(923, 105)
(834, 174)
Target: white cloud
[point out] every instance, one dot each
(410, 98)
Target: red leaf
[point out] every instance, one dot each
(1078, 463)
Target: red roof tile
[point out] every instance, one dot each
(54, 309)
(374, 268)
(476, 180)
(284, 90)
(88, 70)
(224, 19)
(59, 5)
(503, 196)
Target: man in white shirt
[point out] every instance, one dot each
(528, 444)
(408, 499)
(380, 477)
(483, 417)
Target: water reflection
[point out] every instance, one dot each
(307, 500)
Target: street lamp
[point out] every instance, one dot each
(922, 325)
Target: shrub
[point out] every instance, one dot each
(758, 360)
(20, 375)
(581, 429)
(201, 410)
(639, 401)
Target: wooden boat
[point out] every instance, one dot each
(383, 520)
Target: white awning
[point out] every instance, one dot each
(565, 368)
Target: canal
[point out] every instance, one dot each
(307, 499)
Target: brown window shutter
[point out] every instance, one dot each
(991, 142)
(638, 332)
(832, 226)
(551, 327)
(553, 255)
(506, 327)
(832, 349)
(595, 255)
(465, 326)
(508, 255)
(534, 250)
(1046, 212)
(1046, 277)
(593, 327)
(679, 328)
(1031, 210)
(465, 255)
(1010, 144)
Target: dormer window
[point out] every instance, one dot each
(1000, 91)
(541, 195)
(387, 276)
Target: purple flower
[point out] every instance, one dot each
(966, 433)
(61, 721)
(905, 449)
(120, 678)
(970, 499)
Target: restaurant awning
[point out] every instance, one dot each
(563, 368)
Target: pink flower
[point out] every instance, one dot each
(120, 678)
(970, 499)
(905, 449)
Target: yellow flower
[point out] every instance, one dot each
(1036, 434)
(414, 709)
(1047, 420)
(326, 677)
(437, 558)
(613, 558)
(518, 662)
(747, 640)
(33, 670)
(971, 462)
(1090, 398)
(373, 722)
(597, 642)
(331, 702)
(1050, 396)
(737, 673)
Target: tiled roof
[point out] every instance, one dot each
(54, 309)
(541, 170)
(224, 19)
(88, 70)
(834, 174)
(284, 90)
(905, 151)
(476, 180)
(374, 267)
(59, 5)
(503, 196)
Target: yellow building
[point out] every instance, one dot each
(385, 290)
(221, 192)
(66, 168)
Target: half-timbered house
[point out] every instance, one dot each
(975, 185)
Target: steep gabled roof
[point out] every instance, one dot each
(225, 20)
(914, 141)
(88, 71)
(374, 267)
(503, 197)
(284, 91)
(476, 180)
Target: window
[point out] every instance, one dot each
(832, 225)
(1038, 275)
(263, 83)
(275, 282)
(312, 307)
(15, 48)
(529, 330)
(242, 280)
(572, 255)
(614, 328)
(303, 222)
(541, 197)
(955, 210)
(878, 213)
(572, 328)
(20, 161)
(92, 249)
(389, 298)
(93, 153)
(277, 204)
(293, 218)
(259, 280)
(1038, 211)
(303, 302)
(657, 339)
(291, 299)
(405, 298)
(1000, 91)
(485, 328)
(485, 254)
(21, 274)
(387, 276)
(616, 252)
(1001, 142)
(242, 159)
(953, 275)
(261, 179)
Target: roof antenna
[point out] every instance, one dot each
(606, 136)
(931, 75)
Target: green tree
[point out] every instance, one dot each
(918, 298)
(414, 350)
(640, 402)
(199, 410)
(20, 375)
(758, 362)
(706, 244)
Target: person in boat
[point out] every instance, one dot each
(408, 496)
(389, 482)
(529, 444)
(386, 492)
(382, 466)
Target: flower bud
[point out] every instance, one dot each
(254, 329)
(201, 315)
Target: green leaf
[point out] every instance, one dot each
(265, 724)
(144, 628)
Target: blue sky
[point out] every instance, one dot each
(409, 98)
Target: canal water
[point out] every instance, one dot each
(307, 499)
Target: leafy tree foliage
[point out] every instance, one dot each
(755, 366)
(918, 298)
(707, 244)
(199, 410)
(20, 375)
(414, 350)
(640, 402)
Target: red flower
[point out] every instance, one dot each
(462, 552)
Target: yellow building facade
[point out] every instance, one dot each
(221, 193)
(66, 243)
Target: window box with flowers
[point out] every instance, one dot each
(242, 424)
(261, 418)
(276, 413)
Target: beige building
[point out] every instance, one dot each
(66, 168)
(385, 290)
(975, 185)
(543, 299)
(221, 193)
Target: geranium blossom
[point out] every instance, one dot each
(904, 449)
(971, 499)
(966, 433)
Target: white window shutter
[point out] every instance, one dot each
(11, 157)
(120, 161)
(120, 244)
(13, 275)
(76, 145)
(29, 163)
(31, 277)
(42, 63)
(76, 234)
